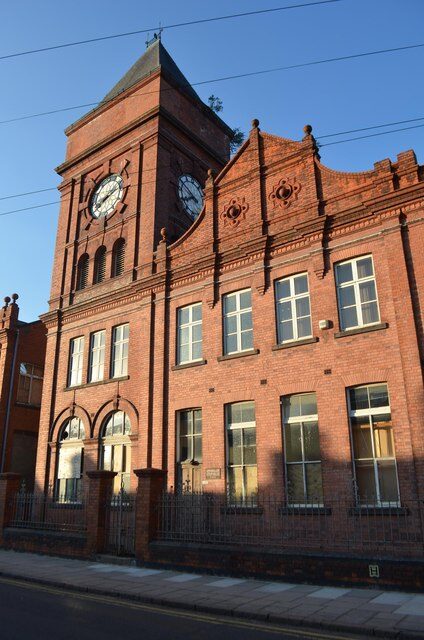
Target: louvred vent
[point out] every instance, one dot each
(118, 258)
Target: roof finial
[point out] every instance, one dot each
(156, 36)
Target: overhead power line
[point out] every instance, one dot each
(327, 144)
(226, 78)
(165, 27)
(319, 138)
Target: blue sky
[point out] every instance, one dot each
(332, 97)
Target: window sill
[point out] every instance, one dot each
(229, 511)
(188, 365)
(239, 354)
(378, 511)
(370, 327)
(27, 405)
(95, 384)
(294, 343)
(305, 511)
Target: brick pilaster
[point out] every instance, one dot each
(99, 491)
(151, 483)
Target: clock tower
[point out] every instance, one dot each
(134, 175)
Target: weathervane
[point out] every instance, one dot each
(156, 36)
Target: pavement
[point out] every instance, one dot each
(363, 611)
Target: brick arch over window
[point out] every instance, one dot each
(118, 258)
(110, 407)
(82, 272)
(99, 265)
(63, 416)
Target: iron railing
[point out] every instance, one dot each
(264, 521)
(120, 524)
(47, 512)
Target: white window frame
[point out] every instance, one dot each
(370, 412)
(189, 325)
(118, 447)
(97, 356)
(248, 501)
(29, 374)
(292, 299)
(76, 361)
(313, 417)
(73, 485)
(237, 314)
(355, 283)
(190, 437)
(119, 367)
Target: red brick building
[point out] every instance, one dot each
(22, 353)
(275, 325)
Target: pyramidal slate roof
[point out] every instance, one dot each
(155, 57)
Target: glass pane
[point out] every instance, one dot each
(314, 483)
(229, 303)
(247, 340)
(197, 454)
(349, 318)
(311, 441)
(364, 267)
(283, 289)
(359, 398)
(291, 405)
(107, 458)
(184, 422)
(367, 291)
(245, 300)
(383, 437)
(183, 315)
(197, 332)
(198, 421)
(344, 272)
(365, 480)
(184, 453)
(118, 423)
(251, 482)
(286, 331)
(295, 484)
(231, 325)
(370, 313)
(184, 353)
(301, 284)
(361, 434)
(308, 403)
(387, 477)
(304, 328)
(247, 411)
(302, 307)
(231, 344)
(73, 428)
(127, 424)
(234, 413)
(126, 331)
(293, 442)
(285, 311)
(196, 350)
(379, 396)
(184, 335)
(234, 446)
(196, 312)
(108, 428)
(347, 296)
(249, 454)
(235, 482)
(117, 457)
(246, 321)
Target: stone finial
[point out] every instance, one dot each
(255, 123)
(14, 297)
(307, 130)
(163, 235)
(6, 302)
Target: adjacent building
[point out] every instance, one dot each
(22, 353)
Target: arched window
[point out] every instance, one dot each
(116, 449)
(99, 265)
(70, 461)
(82, 272)
(118, 258)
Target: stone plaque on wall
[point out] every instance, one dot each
(213, 474)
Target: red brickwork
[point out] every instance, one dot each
(274, 210)
(20, 342)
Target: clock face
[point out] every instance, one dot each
(106, 196)
(191, 195)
